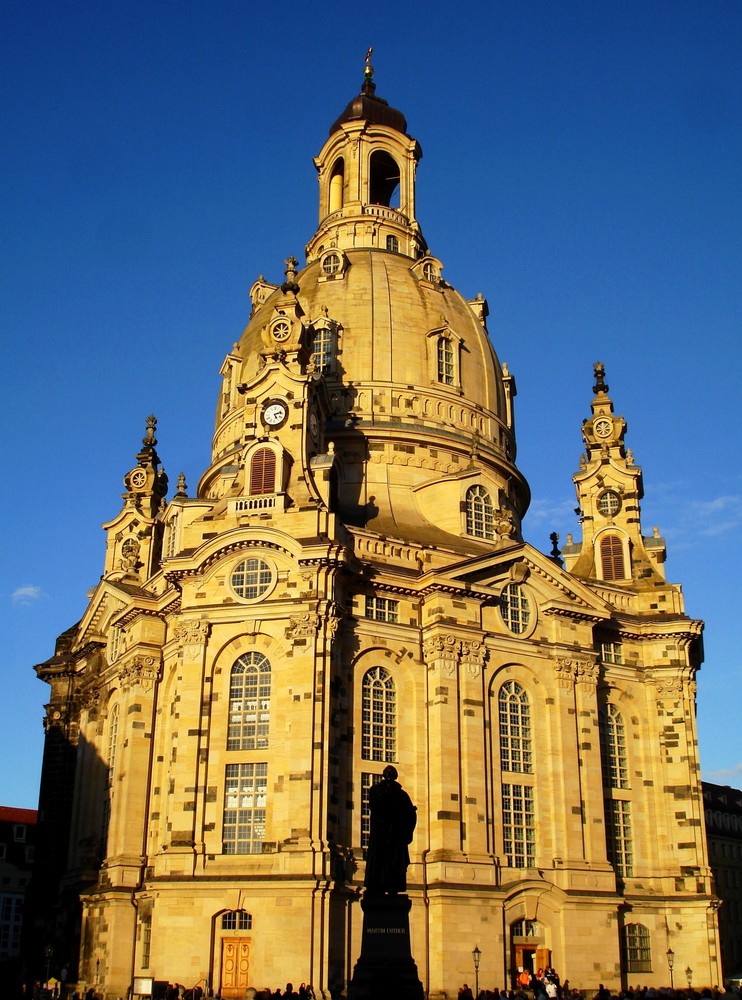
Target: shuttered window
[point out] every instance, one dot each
(263, 472)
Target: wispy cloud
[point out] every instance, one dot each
(717, 516)
(550, 513)
(26, 595)
(725, 775)
(687, 520)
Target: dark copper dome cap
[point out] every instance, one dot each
(370, 108)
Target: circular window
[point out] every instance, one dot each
(281, 330)
(331, 263)
(515, 608)
(609, 503)
(251, 579)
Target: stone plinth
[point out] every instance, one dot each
(385, 967)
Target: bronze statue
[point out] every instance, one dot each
(393, 819)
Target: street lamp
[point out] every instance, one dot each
(670, 965)
(689, 977)
(476, 955)
(48, 952)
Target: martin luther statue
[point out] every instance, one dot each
(393, 819)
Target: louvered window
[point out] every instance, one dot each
(263, 472)
(611, 558)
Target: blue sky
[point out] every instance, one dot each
(581, 168)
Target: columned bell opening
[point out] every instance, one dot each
(337, 181)
(383, 179)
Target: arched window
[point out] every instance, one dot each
(392, 243)
(236, 920)
(113, 736)
(613, 748)
(637, 948)
(611, 558)
(379, 716)
(336, 186)
(515, 729)
(479, 513)
(263, 472)
(384, 178)
(323, 348)
(249, 703)
(515, 608)
(445, 361)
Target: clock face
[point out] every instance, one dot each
(603, 427)
(138, 479)
(274, 414)
(313, 425)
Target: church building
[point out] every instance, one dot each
(349, 586)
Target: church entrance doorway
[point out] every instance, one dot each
(235, 967)
(527, 950)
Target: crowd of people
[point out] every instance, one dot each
(545, 984)
(304, 992)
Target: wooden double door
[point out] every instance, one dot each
(235, 967)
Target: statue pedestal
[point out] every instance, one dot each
(385, 967)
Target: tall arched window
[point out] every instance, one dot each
(611, 558)
(479, 513)
(336, 185)
(249, 703)
(263, 472)
(613, 748)
(445, 361)
(113, 736)
(515, 729)
(379, 716)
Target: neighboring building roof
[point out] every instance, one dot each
(9, 814)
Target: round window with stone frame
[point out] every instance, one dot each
(515, 608)
(332, 263)
(281, 330)
(252, 578)
(609, 503)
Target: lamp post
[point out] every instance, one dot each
(48, 952)
(670, 965)
(689, 977)
(476, 955)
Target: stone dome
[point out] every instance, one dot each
(394, 365)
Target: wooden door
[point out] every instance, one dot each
(235, 967)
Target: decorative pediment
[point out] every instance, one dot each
(560, 593)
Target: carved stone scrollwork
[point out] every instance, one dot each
(445, 650)
(90, 702)
(142, 671)
(302, 626)
(566, 672)
(473, 656)
(587, 672)
(192, 636)
(56, 717)
(668, 687)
